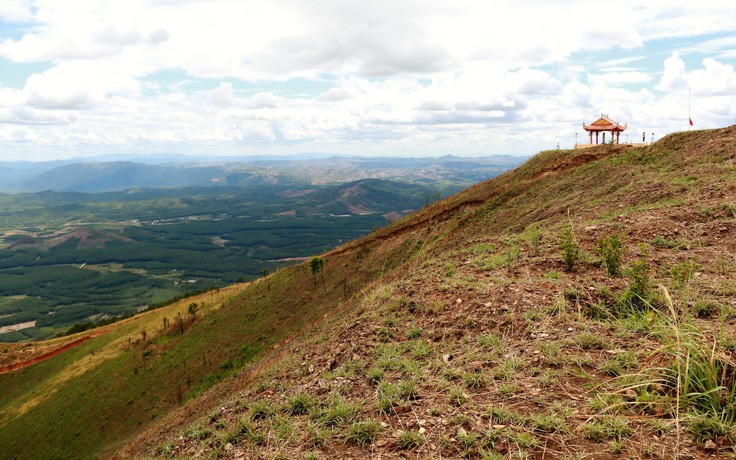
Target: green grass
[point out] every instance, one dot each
(362, 433)
(138, 390)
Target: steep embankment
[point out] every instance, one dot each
(456, 332)
(544, 314)
(86, 401)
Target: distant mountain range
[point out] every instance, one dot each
(101, 175)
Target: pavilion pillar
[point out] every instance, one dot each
(618, 136)
(591, 136)
(596, 137)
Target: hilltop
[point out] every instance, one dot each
(546, 313)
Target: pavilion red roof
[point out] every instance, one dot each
(604, 124)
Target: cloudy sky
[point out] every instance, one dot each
(379, 77)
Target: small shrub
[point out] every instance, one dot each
(610, 249)
(570, 249)
(638, 296)
(683, 272)
(510, 256)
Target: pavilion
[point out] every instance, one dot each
(603, 125)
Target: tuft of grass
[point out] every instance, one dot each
(475, 380)
(414, 333)
(375, 375)
(362, 433)
(393, 394)
(607, 428)
(299, 404)
(337, 413)
(499, 415)
(262, 410)
(620, 363)
(703, 427)
(197, 432)
(549, 423)
(457, 396)
(489, 342)
(590, 341)
(410, 439)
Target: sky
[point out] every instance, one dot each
(381, 77)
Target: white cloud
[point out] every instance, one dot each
(406, 75)
(673, 78)
(622, 78)
(15, 11)
(715, 79)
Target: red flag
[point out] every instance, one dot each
(691, 121)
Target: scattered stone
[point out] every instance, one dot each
(381, 443)
(422, 430)
(488, 304)
(630, 394)
(228, 447)
(710, 445)
(570, 329)
(447, 357)
(461, 432)
(459, 301)
(401, 409)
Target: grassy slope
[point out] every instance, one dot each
(482, 345)
(113, 385)
(389, 302)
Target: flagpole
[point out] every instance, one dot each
(689, 118)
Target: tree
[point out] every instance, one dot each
(316, 264)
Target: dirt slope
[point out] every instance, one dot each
(545, 314)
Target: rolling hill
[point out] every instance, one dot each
(100, 174)
(580, 306)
